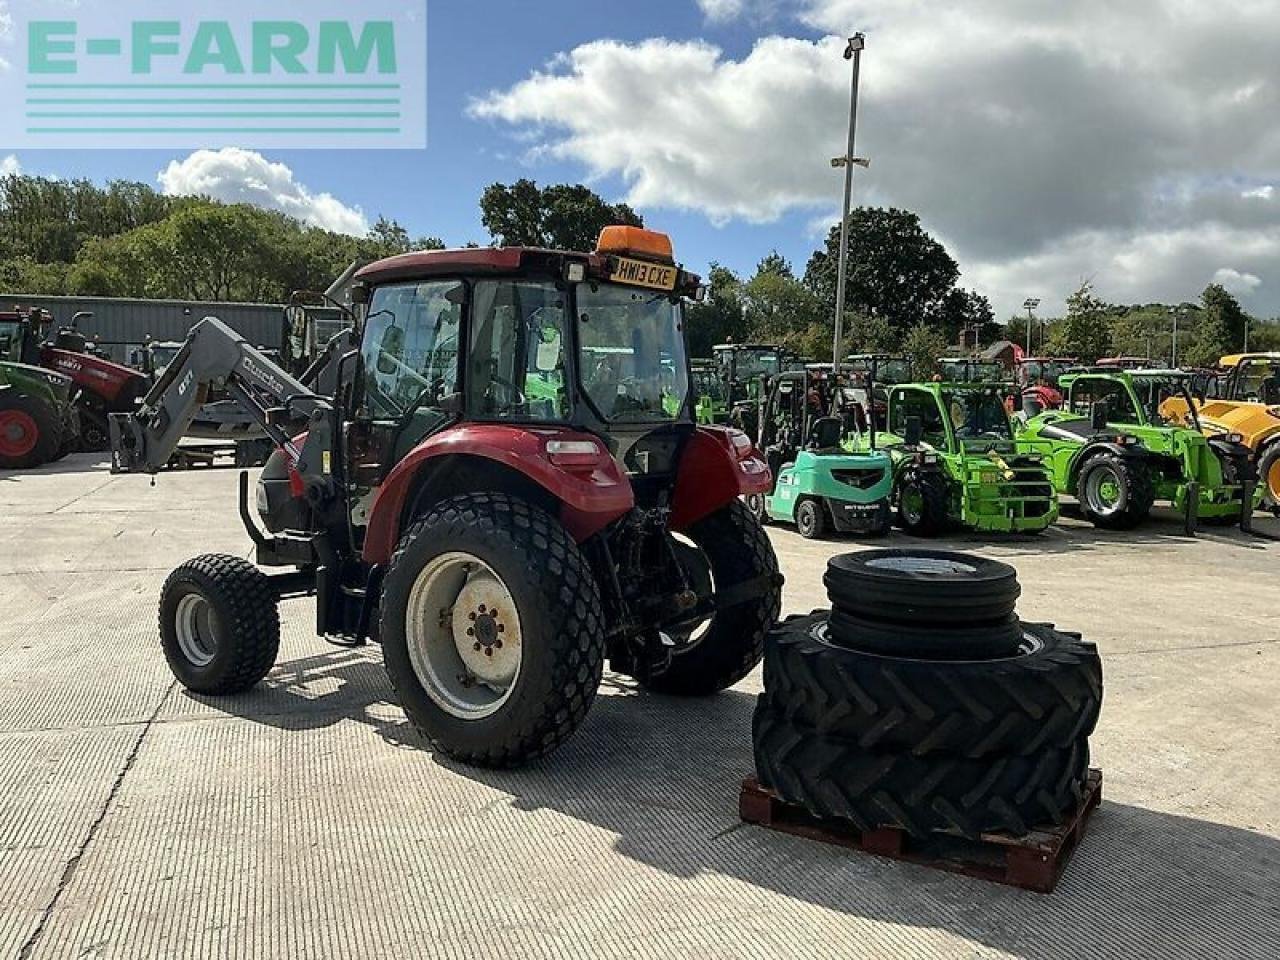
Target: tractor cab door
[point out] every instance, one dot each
(406, 382)
(1121, 404)
(906, 404)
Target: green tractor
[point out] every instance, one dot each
(819, 485)
(1110, 448)
(38, 421)
(957, 463)
(732, 386)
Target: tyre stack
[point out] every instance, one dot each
(920, 701)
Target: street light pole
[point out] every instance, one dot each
(1174, 362)
(1030, 305)
(852, 52)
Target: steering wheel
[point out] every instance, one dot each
(508, 398)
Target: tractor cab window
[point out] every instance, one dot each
(409, 357)
(1260, 381)
(906, 404)
(978, 417)
(516, 365)
(633, 364)
(9, 340)
(1086, 394)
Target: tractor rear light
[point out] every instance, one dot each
(574, 453)
(575, 271)
(1235, 438)
(741, 443)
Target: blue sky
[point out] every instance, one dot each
(1047, 143)
(473, 48)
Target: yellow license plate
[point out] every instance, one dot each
(637, 273)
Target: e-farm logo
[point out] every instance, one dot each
(320, 74)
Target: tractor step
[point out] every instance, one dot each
(1035, 862)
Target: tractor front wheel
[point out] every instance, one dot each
(1269, 476)
(219, 625)
(737, 552)
(1115, 493)
(30, 434)
(922, 504)
(491, 630)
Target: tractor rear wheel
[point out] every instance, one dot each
(731, 643)
(759, 507)
(30, 433)
(491, 630)
(1269, 476)
(219, 625)
(922, 504)
(1115, 493)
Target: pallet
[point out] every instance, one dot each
(1034, 862)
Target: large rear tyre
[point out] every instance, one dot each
(1045, 693)
(1115, 493)
(491, 630)
(219, 626)
(922, 504)
(833, 777)
(731, 643)
(30, 432)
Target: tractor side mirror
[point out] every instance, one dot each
(914, 432)
(1099, 415)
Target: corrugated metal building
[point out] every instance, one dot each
(122, 325)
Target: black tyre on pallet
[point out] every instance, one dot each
(1115, 493)
(491, 631)
(219, 625)
(737, 551)
(30, 432)
(986, 641)
(831, 776)
(1044, 696)
(922, 586)
(923, 501)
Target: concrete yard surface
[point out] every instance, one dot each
(307, 819)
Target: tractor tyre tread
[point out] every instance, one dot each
(1141, 491)
(49, 431)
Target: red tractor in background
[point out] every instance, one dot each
(1037, 381)
(99, 386)
(507, 488)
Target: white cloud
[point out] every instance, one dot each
(1076, 135)
(234, 175)
(720, 10)
(10, 166)
(1265, 192)
(1236, 282)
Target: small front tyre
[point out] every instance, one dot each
(1115, 493)
(219, 625)
(922, 504)
(811, 519)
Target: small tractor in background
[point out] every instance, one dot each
(956, 462)
(38, 421)
(1244, 399)
(500, 542)
(971, 370)
(1036, 379)
(1111, 448)
(99, 386)
(818, 484)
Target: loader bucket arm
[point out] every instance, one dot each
(144, 440)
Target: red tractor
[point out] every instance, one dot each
(99, 386)
(507, 488)
(1037, 381)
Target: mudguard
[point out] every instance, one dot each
(718, 465)
(592, 489)
(1126, 451)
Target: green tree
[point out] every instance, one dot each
(924, 345)
(780, 309)
(896, 269)
(721, 317)
(970, 313)
(1085, 332)
(560, 216)
(1220, 330)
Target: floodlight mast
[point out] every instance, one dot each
(852, 52)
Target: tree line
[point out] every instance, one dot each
(902, 292)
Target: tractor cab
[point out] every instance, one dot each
(808, 425)
(971, 370)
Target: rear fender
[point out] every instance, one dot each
(587, 491)
(718, 465)
(1125, 451)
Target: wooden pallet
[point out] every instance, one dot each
(1034, 862)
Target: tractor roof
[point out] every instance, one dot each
(422, 264)
(1238, 358)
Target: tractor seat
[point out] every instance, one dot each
(825, 435)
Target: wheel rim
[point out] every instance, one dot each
(912, 504)
(1104, 492)
(932, 566)
(755, 503)
(18, 433)
(197, 630)
(1273, 481)
(464, 637)
(805, 519)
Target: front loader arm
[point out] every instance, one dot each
(143, 441)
